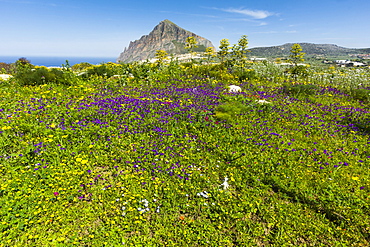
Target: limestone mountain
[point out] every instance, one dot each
(165, 36)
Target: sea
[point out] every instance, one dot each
(59, 61)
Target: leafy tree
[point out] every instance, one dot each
(224, 50)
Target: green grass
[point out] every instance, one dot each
(143, 162)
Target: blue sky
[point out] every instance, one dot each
(99, 28)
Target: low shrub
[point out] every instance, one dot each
(28, 76)
(300, 89)
(360, 94)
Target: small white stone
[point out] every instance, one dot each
(234, 89)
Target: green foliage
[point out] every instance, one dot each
(360, 94)
(224, 50)
(229, 110)
(23, 61)
(209, 53)
(27, 75)
(81, 66)
(103, 70)
(296, 55)
(239, 51)
(191, 44)
(6, 68)
(300, 89)
(245, 75)
(161, 56)
(299, 70)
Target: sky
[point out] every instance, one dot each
(97, 28)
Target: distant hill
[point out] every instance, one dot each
(309, 48)
(165, 36)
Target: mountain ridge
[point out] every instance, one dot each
(308, 48)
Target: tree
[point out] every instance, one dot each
(23, 61)
(240, 50)
(160, 55)
(224, 50)
(191, 44)
(210, 52)
(296, 55)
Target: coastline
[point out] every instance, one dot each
(54, 61)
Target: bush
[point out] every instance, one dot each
(28, 76)
(6, 68)
(299, 70)
(360, 94)
(300, 89)
(104, 70)
(81, 66)
(245, 74)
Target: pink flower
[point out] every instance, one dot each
(56, 193)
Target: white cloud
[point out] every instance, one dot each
(257, 14)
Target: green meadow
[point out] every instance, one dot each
(165, 154)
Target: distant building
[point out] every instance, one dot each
(348, 63)
(256, 59)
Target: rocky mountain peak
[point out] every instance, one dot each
(165, 36)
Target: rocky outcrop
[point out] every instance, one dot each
(165, 36)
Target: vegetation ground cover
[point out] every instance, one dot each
(164, 155)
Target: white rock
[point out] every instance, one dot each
(234, 89)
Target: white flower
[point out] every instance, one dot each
(262, 101)
(203, 194)
(225, 184)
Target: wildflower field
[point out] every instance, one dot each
(149, 155)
